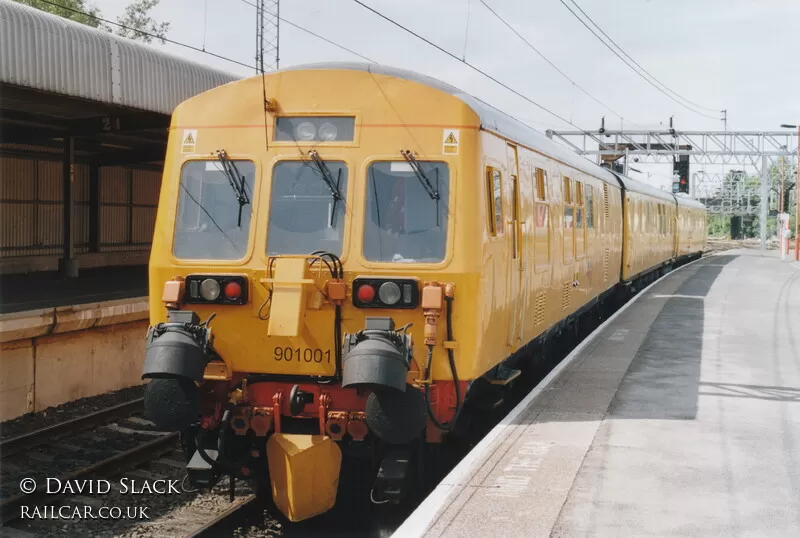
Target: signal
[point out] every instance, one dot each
(680, 169)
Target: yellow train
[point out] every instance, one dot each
(346, 256)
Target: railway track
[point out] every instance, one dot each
(14, 445)
(110, 467)
(98, 445)
(113, 446)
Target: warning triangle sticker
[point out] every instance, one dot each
(451, 139)
(189, 139)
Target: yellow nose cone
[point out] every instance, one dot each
(304, 471)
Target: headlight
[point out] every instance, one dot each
(328, 131)
(389, 293)
(305, 131)
(385, 293)
(209, 289)
(216, 289)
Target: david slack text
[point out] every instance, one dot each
(126, 486)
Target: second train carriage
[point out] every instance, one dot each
(342, 251)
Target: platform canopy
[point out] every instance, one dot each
(59, 77)
(84, 120)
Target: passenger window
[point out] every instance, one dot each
(642, 215)
(494, 196)
(658, 218)
(589, 206)
(580, 242)
(541, 189)
(541, 254)
(569, 221)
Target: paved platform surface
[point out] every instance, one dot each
(681, 417)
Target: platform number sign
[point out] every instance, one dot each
(111, 123)
(450, 139)
(189, 141)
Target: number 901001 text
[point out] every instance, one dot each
(301, 354)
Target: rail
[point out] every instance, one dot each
(213, 527)
(15, 445)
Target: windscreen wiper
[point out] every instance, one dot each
(426, 183)
(236, 181)
(432, 191)
(328, 179)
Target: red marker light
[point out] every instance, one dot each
(233, 290)
(365, 293)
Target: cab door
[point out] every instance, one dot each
(516, 265)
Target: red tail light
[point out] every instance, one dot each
(365, 293)
(233, 290)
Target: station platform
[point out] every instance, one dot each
(21, 292)
(679, 416)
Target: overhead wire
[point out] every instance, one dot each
(609, 47)
(203, 50)
(306, 30)
(283, 19)
(554, 66)
(636, 63)
(468, 64)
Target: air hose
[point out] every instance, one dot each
(446, 426)
(337, 271)
(221, 445)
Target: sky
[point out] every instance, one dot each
(734, 55)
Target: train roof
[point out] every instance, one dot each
(643, 188)
(687, 201)
(491, 118)
(499, 122)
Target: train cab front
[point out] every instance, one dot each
(277, 360)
